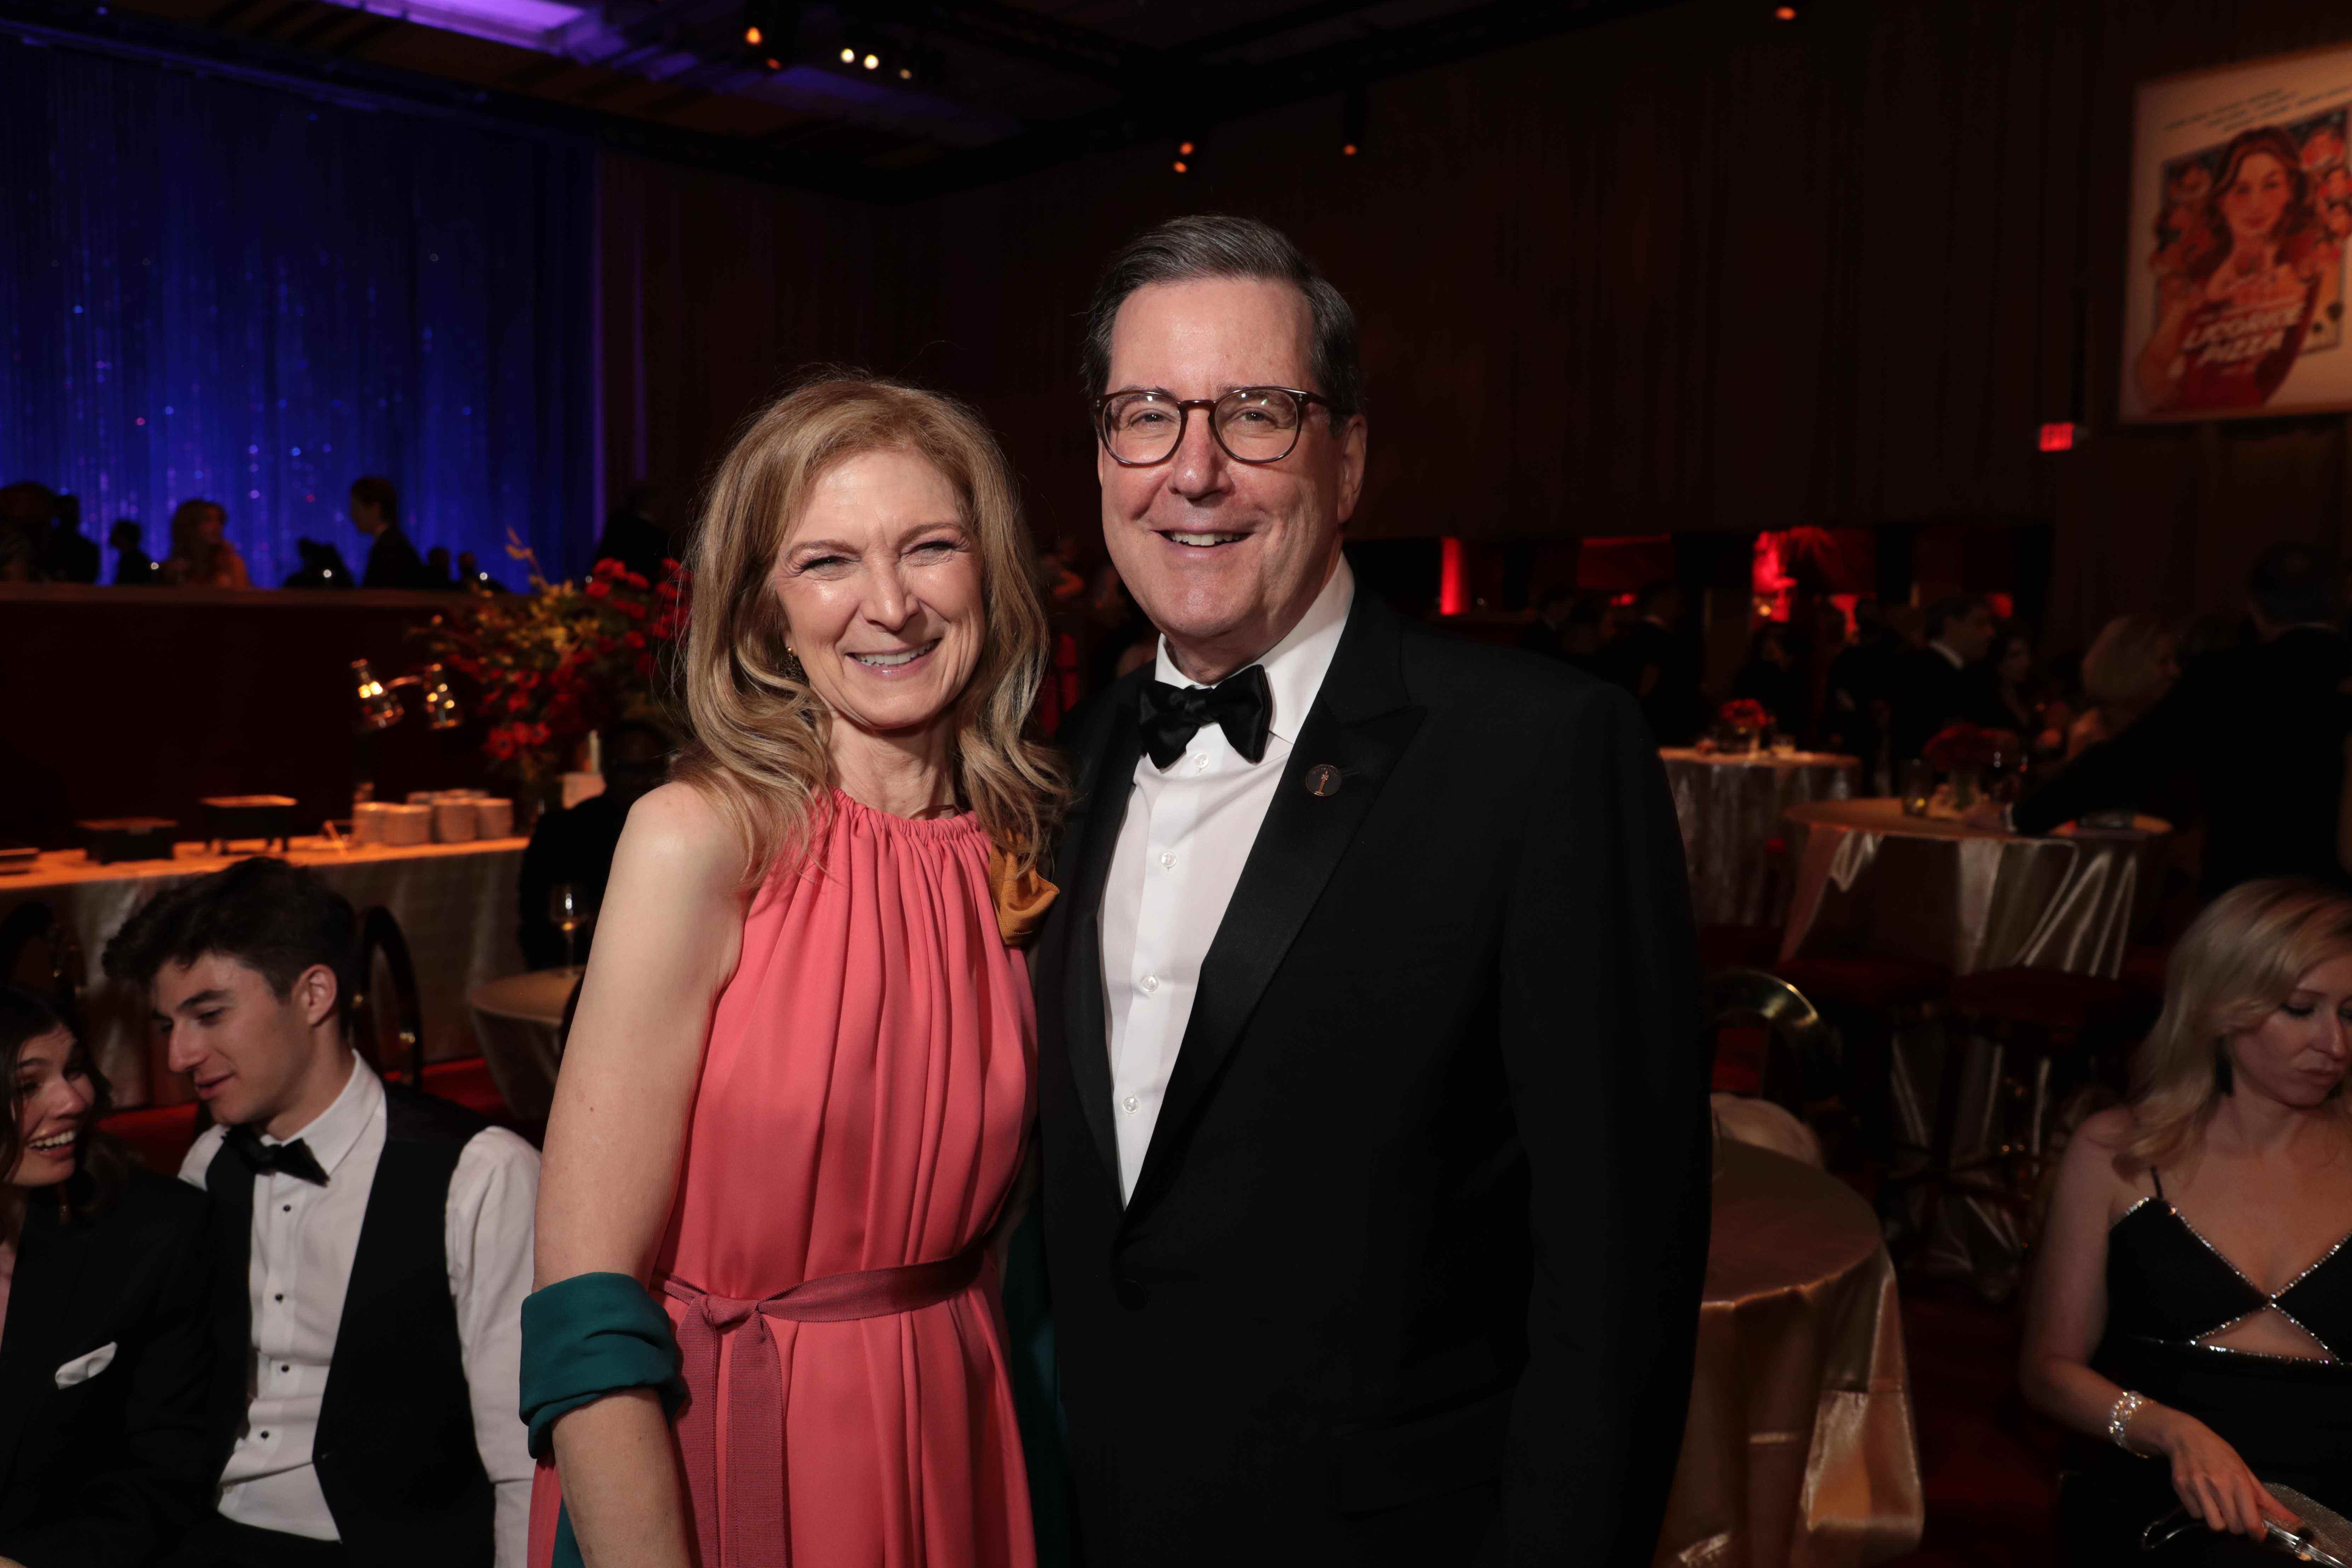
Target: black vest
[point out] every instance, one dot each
(395, 1450)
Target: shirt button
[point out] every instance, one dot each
(279, 1297)
(1129, 1104)
(1200, 765)
(1149, 983)
(1167, 860)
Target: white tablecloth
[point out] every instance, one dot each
(1730, 806)
(454, 902)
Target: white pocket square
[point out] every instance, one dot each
(82, 1368)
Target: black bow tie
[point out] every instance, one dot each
(293, 1158)
(1241, 705)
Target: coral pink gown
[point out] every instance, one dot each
(864, 1101)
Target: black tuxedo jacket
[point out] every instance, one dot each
(1927, 694)
(113, 1467)
(1412, 1269)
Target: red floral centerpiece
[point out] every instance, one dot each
(1972, 748)
(1745, 720)
(561, 661)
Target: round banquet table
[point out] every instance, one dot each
(1871, 879)
(1799, 1447)
(517, 1020)
(1730, 806)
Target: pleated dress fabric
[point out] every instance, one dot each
(864, 1101)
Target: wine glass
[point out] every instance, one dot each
(570, 907)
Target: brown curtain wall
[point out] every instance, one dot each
(1695, 270)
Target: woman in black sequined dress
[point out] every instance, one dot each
(2192, 1304)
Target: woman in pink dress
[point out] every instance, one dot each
(797, 1092)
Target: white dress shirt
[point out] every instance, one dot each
(1182, 846)
(305, 1238)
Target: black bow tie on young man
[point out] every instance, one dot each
(293, 1158)
(1241, 705)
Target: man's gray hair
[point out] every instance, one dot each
(1215, 245)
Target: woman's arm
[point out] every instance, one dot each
(666, 943)
(2066, 1314)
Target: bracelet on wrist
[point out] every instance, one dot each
(2119, 1419)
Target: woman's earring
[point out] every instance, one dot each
(793, 669)
(2225, 1078)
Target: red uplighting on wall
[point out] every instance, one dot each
(2058, 437)
(1453, 579)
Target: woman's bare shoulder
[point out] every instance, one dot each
(2106, 1131)
(681, 827)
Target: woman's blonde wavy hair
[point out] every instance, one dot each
(758, 744)
(2241, 958)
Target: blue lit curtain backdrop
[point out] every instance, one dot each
(214, 288)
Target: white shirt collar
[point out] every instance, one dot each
(1295, 666)
(1945, 648)
(335, 1131)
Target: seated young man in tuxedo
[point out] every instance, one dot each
(387, 1240)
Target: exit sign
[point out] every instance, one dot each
(2059, 437)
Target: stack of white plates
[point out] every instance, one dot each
(407, 825)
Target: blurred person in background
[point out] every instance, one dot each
(201, 556)
(1770, 676)
(112, 1391)
(66, 555)
(1547, 633)
(633, 535)
(2131, 664)
(25, 509)
(133, 567)
(392, 561)
(1949, 681)
(1854, 703)
(436, 568)
(1590, 627)
(2192, 1301)
(2252, 736)
(322, 566)
(575, 844)
(473, 579)
(1655, 659)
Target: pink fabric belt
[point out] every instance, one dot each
(754, 1525)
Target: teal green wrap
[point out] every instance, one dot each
(586, 1337)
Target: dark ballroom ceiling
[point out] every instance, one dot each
(959, 92)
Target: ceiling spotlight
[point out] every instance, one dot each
(849, 57)
(1180, 165)
(1355, 118)
(1784, 12)
(905, 73)
(1183, 149)
(871, 61)
(775, 65)
(751, 36)
(1348, 150)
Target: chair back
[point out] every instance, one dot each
(388, 1018)
(1801, 1051)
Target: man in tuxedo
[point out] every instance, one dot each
(1947, 682)
(383, 1247)
(1375, 1143)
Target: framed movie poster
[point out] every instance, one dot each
(2240, 205)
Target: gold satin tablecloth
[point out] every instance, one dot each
(1800, 1452)
(455, 904)
(1871, 879)
(1729, 806)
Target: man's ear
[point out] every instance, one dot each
(317, 990)
(1352, 438)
